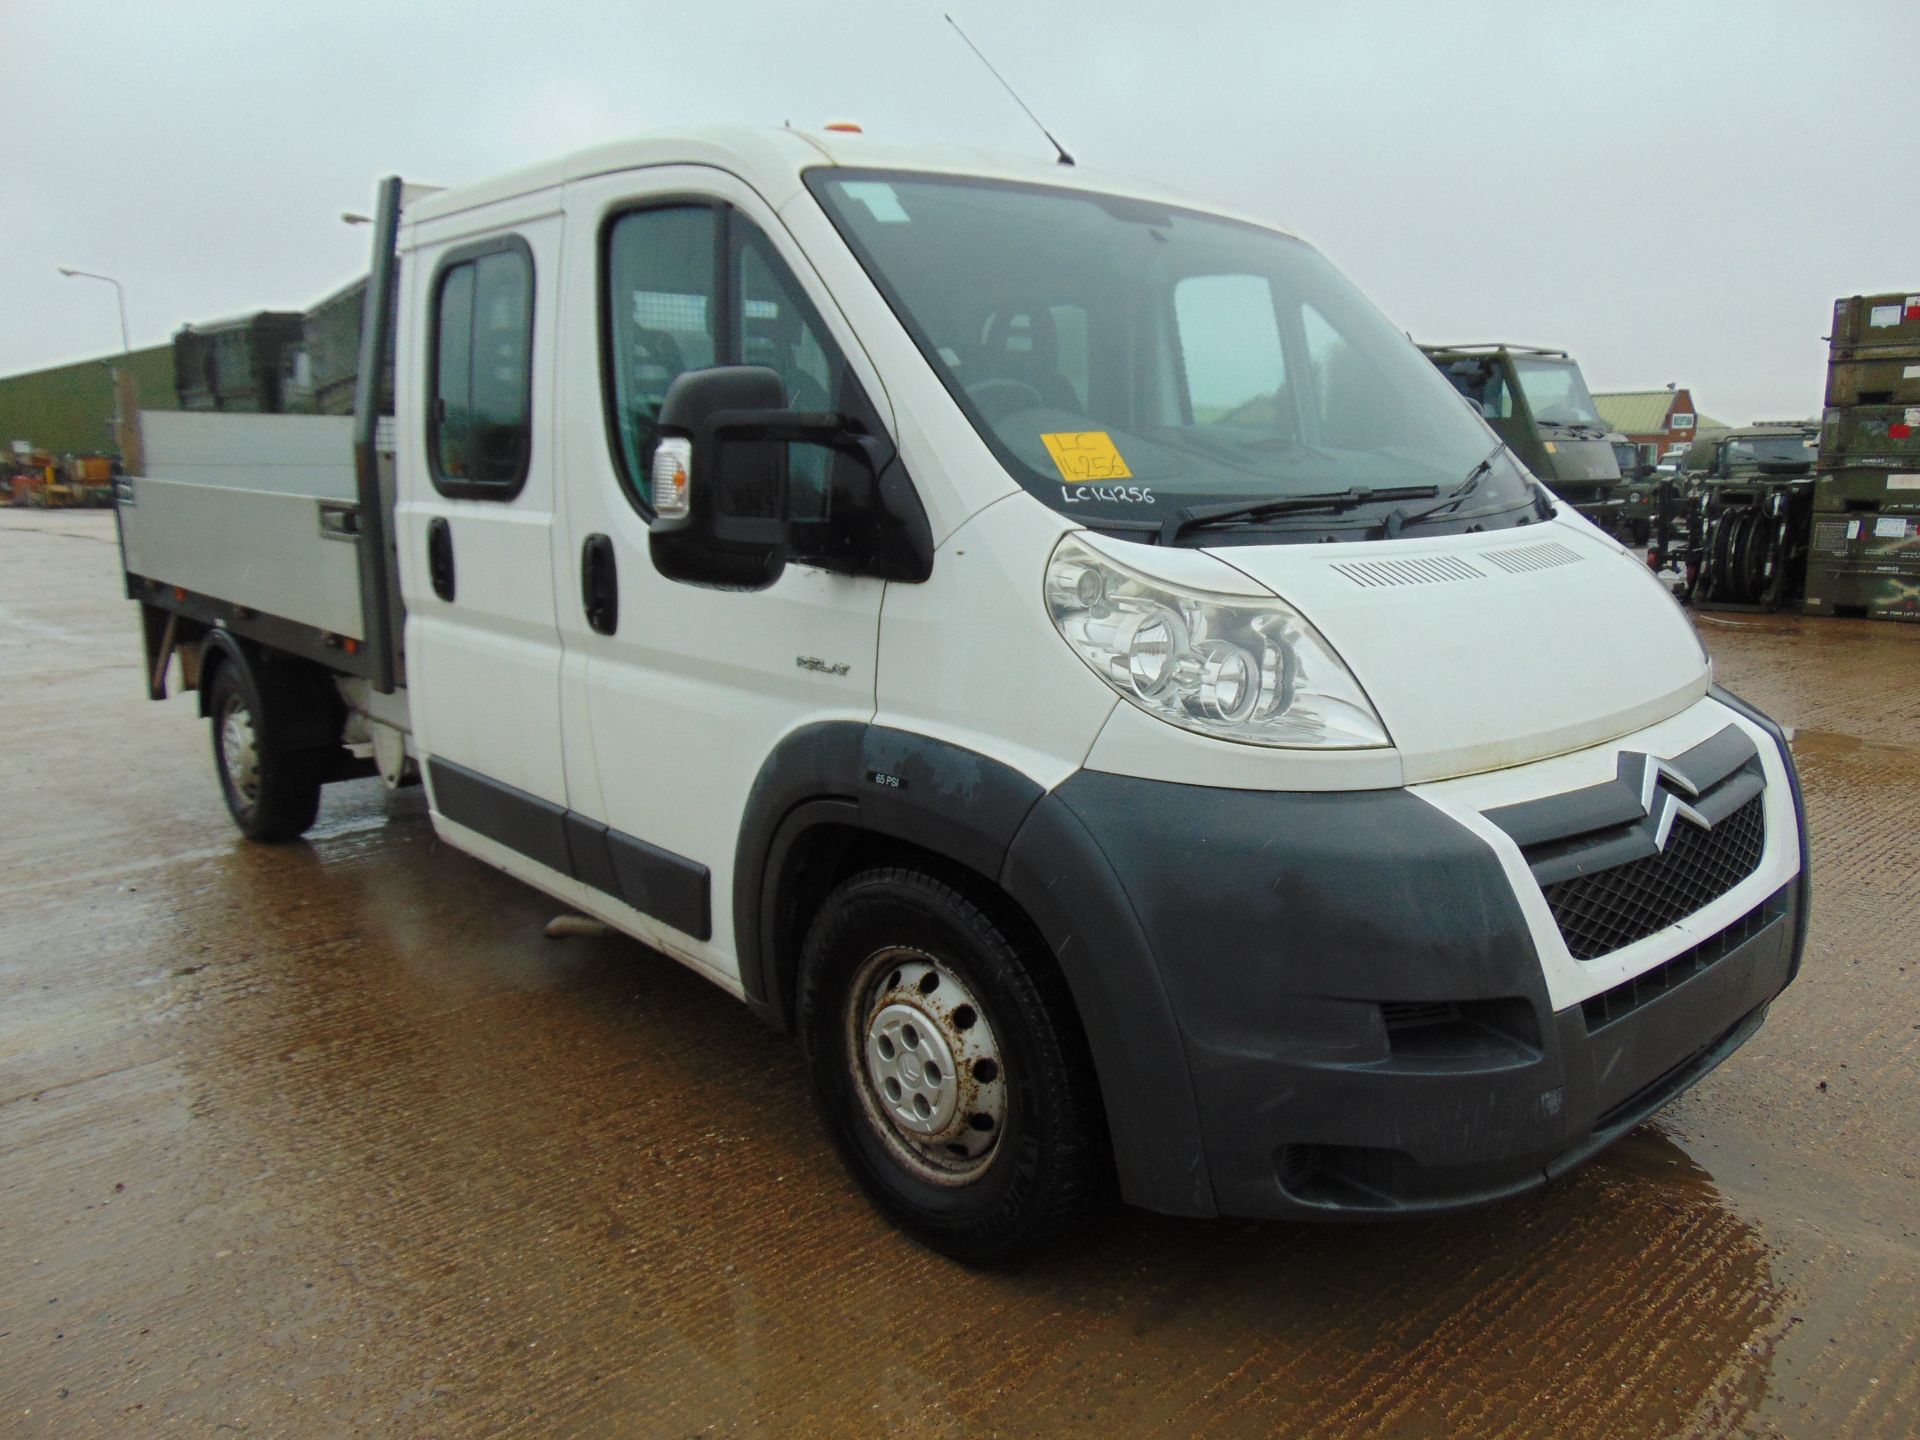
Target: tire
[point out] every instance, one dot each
(1010, 1146)
(1719, 567)
(271, 790)
(1740, 557)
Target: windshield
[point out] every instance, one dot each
(1126, 361)
(1555, 392)
(1750, 450)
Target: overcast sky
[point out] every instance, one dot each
(1673, 192)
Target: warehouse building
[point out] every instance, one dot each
(1660, 422)
(68, 410)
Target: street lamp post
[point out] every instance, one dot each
(125, 344)
(126, 434)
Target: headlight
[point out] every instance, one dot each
(1225, 665)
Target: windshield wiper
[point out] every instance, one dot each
(1196, 517)
(1398, 519)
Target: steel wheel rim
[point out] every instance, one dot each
(923, 1057)
(240, 749)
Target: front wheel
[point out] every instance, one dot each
(272, 791)
(949, 1063)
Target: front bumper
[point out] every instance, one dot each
(1367, 1021)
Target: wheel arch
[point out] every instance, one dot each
(836, 797)
(299, 698)
(217, 651)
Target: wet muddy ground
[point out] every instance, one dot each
(328, 1140)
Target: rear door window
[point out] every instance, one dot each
(480, 428)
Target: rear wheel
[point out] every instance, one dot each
(949, 1064)
(272, 791)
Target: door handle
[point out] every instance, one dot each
(440, 557)
(600, 584)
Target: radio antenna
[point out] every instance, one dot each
(1059, 149)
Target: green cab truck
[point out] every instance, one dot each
(1538, 402)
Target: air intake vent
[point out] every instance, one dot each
(1545, 555)
(1408, 570)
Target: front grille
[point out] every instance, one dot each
(1606, 909)
(1630, 996)
(1623, 859)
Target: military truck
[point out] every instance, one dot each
(1749, 499)
(1638, 494)
(1537, 401)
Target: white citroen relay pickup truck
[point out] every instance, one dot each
(1056, 648)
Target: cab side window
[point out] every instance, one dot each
(480, 422)
(776, 327)
(659, 320)
(691, 286)
(1496, 400)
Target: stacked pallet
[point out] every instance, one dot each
(1864, 556)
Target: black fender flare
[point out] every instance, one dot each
(874, 781)
(300, 708)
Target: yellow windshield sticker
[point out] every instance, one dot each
(1086, 455)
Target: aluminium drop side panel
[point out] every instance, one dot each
(309, 455)
(230, 508)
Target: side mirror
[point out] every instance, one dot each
(722, 481)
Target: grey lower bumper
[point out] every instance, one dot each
(1330, 1005)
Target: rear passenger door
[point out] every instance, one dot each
(476, 522)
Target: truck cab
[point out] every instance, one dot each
(1741, 458)
(1055, 648)
(1538, 402)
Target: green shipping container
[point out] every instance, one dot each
(1883, 380)
(1876, 320)
(333, 347)
(1886, 435)
(237, 364)
(1837, 588)
(1867, 488)
(1864, 564)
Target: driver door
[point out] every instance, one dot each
(681, 699)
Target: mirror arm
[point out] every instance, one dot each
(826, 428)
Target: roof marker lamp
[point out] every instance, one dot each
(1231, 666)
